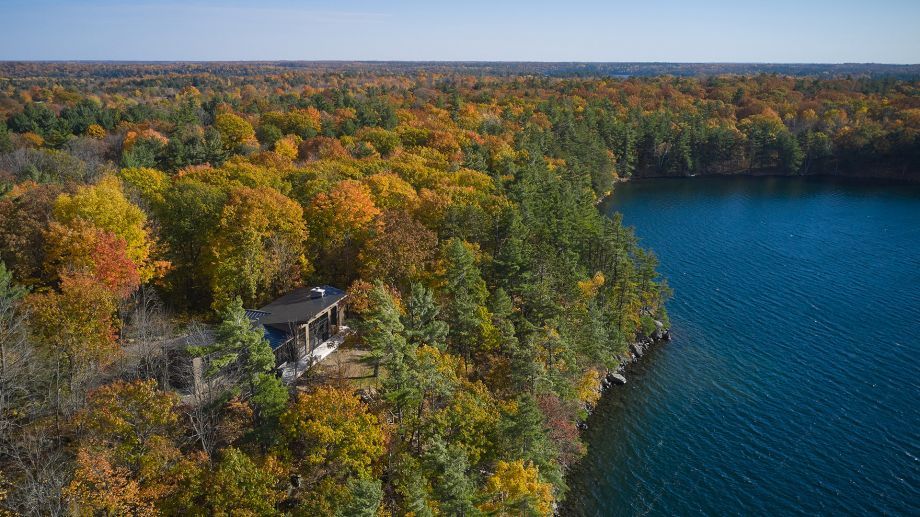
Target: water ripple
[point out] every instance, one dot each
(792, 384)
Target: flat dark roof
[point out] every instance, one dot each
(297, 307)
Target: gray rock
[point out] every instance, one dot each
(638, 349)
(617, 378)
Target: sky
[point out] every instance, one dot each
(786, 31)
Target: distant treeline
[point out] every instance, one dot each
(112, 69)
(637, 126)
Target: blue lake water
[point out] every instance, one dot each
(792, 384)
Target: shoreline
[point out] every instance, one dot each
(616, 378)
(634, 353)
(869, 178)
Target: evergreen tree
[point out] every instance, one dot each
(366, 494)
(525, 437)
(10, 292)
(508, 266)
(502, 310)
(385, 335)
(466, 296)
(421, 319)
(6, 142)
(453, 486)
(242, 347)
(411, 485)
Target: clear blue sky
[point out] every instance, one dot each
(826, 31)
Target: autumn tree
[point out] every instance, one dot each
(25, 214)
(105, 207)
(148, 184)
(288, 146)
(332, 438)
(237, 485)
(346, 212)
(392, 192)
(400, 251)
(340, 222)
(75, 328)
(384, 141)
(128, 451)
(100, 488)
(82, 249)
(515, 488)
(257, 248)
(235, 131)
(126, 417)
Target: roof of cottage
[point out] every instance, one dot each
(297, 307)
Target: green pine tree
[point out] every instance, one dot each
(466, 297)
(452, 486)
(385, 335)
(240, 346)
(365, 496)
(421, 319)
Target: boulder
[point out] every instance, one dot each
(638, 348)
(617, 378)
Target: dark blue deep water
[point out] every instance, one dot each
(792, 384)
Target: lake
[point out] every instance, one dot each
(792, 383)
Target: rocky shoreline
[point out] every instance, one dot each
(634, 353)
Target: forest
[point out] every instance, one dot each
(145, 205)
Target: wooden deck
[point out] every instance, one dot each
(291, 371)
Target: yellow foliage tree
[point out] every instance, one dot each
(234, 129)
(288, 146)
(515, 489)
(95, 131)
(330, 433)
(76, 325)
(257, 250)
(104, 206)
(391, 191)
(150, 183)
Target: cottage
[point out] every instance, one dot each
(303, 326)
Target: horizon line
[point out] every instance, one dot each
(482, 61)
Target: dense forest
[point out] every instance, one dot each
(145, 205)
